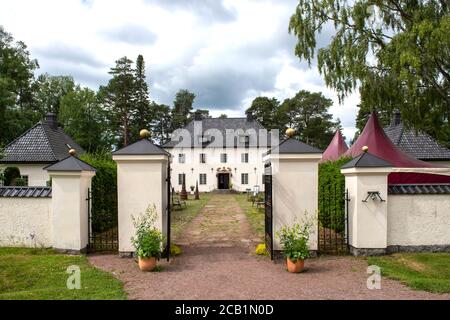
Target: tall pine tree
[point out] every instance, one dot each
(118, 99)
(143, 112)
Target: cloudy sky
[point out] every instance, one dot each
(226, 52)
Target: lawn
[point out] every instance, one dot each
(421, 271)
(181, 217)
(41, 274)
(254, 215)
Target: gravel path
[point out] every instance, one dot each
(217, 263)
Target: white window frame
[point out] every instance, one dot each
(181, 158)
(244, 157)
(202, 158)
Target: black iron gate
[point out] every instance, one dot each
(169, 205)
(103, 235)
(333, 220)
(268, 209)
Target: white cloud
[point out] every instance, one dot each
(227, 53)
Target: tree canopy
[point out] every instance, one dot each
(306, 112)
(396, 53)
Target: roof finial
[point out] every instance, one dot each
(365, 148)
(290, 132)
(144, 133)
(72, 152)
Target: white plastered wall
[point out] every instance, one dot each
(295, 194)
(21, 217)
(367, 220)
(37, 176)
(140, 183)
(70, 211)
(419, 220)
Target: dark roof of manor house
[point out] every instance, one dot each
(421, 145)
(220, 126)
(45, 142)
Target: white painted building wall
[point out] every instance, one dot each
(418, 220)
(193, 168)
(37, 176)
(21, 217)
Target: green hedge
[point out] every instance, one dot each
(331, 195)
(104, 191)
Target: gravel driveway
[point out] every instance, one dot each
(221, 265)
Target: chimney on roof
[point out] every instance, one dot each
(396, 117)
(198, 116)
(51, 120)
(249, 116)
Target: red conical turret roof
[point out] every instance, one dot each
(336, 148)
(380, 145)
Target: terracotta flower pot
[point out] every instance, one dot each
(147, 264)
(295, 267)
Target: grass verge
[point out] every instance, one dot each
(32, 274)
(420, 271)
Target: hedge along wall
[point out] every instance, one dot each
(331, 194)
(104, 191)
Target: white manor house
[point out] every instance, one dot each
(219, 153)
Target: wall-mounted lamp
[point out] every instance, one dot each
(192, 170)
(373, 195)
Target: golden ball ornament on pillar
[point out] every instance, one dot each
(290, 132)
(72, 152)
(365, 148)
(144, 133)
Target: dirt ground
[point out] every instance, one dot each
(218, 263)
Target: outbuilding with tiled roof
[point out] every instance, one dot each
(43, 144)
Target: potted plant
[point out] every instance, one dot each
(294, 241)
(147, 240)
(192, 189)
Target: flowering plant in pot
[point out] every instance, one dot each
(148, 239)
(294, 241)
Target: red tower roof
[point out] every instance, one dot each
(336, 148)
(380, 145)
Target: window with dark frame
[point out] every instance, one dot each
(244, 178)
(202, 157)
(181, 158)
(202, 178)
(223, 158)
(181, 177)
(244, 157)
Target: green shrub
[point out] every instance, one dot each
(148, 239)
(10, 175)
(20, 182)
(104, 191)
(331, 194)
(294, 241)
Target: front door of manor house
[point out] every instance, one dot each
(223, 181)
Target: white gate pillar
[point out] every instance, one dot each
(366, 181)
(295, 184)
(71, 180)
(141, 182)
